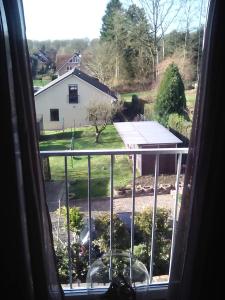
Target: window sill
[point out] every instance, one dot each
(155, 291)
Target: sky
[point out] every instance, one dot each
(69, 19)
(63, 19)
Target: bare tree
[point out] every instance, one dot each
(160, 14)
(194, 17)
(99, 61)
(100, 114)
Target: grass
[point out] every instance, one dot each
(150, 96)
(77, 166)
(145, 95)
(40, 82)
(190, 97)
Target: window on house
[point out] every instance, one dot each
(54, 114)
(73, 93)
(75, 59)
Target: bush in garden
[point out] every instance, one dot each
(171, 97)
(121, 235)
(180, 124)
(143, 230)
(121, 241)
(62, 263)
(79, 260)
(76, 218)
(141, 252)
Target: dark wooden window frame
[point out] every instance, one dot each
(54, 114)
(73, 93)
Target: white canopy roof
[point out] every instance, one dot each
(145, 133)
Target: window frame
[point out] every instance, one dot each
(52, 111)
(70, 97)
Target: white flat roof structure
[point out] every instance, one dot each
(145, 133)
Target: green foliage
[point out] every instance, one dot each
(141, 252)
(149, 112)
(53, 77)
(133, 108)
(121, 238)
(107, 21)
(173, 41)
(171, 97)
(137, 51)
(121, 241)
(75, 216)
(62, 262)
(79, 258)
(180, 124)
(143, 229)
(100, 114)
(127, 33)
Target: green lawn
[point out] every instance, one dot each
(190, 97)
(145, 95)
(77, 166)
(151, 95)
(40, 82)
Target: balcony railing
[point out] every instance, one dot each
(157, 152)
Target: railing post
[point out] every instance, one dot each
(132, 215)
(133, 205)
(111, 216)
(154, 217)
(175, 210)
(68, 224)
(89, 210)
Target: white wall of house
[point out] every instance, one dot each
(57, 97)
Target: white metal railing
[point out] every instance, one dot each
(157, 152)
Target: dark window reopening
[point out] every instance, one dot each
(54, 115)
(73, 93)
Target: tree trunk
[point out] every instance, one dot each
(97, 134)
(185, 51)
(163, 45)
(46, 169)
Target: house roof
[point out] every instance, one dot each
(145, 133)
(62, 59)
(75, 72)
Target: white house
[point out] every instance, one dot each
(64, 101)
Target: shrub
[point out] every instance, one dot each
(133, 108)
(143, 230)
(121, 236)
(171, 97)
(180, 124)
(121, 241)
(76, 218)
(79, 260)
(149, 112)
(53, 77)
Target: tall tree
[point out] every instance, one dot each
(137, 53)
(160, 14)
(171, 97)
(107, 21)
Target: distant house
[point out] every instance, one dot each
(149, 134)
(65, 63)
(64, 101)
